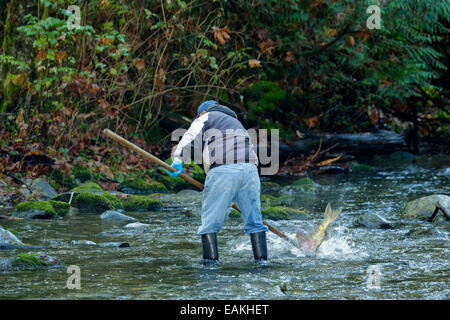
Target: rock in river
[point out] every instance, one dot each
(8, 237)
(41, 187)
(140, 203)
(117, 217)
(41, 209)
(372, 221)
(136, 225)
(423, 208)
(29, 261)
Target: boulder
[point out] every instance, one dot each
(137, 225)
(424, 207)
(35, 210)
(372, 221)
(140, 186)
(117, 217)
(140, 203)
(90, 198)
(29, 261)
(43, 188)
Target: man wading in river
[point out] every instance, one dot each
(231, 176)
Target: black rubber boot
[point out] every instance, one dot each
(210, 251)
(259, 245)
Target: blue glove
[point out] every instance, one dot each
(177, 165)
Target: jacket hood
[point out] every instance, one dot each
(223, 109)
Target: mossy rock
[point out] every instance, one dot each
(424, 207)
(29, 259)
(81, 173)
(61, 208)
(284, 213)
(32, 260)
(87, 187)
(35, 210)
(140, 186)
(140, 203)
(87, 202)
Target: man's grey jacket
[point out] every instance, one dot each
(221, 138)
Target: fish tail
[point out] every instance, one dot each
(330, 214)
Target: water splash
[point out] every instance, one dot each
(339, 245)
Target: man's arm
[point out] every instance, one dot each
(194, 132)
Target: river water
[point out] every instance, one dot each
(164, 260)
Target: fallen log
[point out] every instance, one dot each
(382, 142)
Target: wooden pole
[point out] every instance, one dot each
(194, 182)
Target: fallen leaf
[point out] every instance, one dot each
(254, 63)
(312, 122)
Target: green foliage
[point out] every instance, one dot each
(89, 186)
